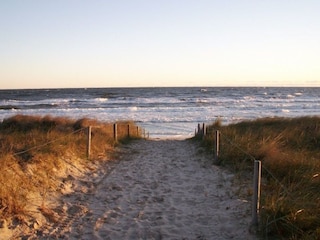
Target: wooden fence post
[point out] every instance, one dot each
(217, 146)
(128, 131)
(115, 134)
(204, 130)
(199, 128)
(137, 131)
(256, 193)
(88, 142)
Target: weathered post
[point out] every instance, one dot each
(256, 193)
(137, 131)
(128, 130)
(199, 129)
(204, 130)
(217, 146)
(88, 142)
(115, 134)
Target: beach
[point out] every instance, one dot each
(153, 189)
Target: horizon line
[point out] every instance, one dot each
(96, 87)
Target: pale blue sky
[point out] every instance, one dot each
(76, 43)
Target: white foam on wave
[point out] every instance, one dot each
(101, 99)
(202, 100)
(248, 97)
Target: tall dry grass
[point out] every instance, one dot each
(289, 149)
(34, 149)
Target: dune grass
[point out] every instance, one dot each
(35, 150)
(289, 149)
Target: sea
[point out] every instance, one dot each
(164, 112)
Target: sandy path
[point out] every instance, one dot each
(159, 190)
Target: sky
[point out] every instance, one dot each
(146, 43)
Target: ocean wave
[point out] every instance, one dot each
(134, 108)
(202, 101)
(9, 107)
(100, 99)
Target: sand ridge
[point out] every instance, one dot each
(158, 189)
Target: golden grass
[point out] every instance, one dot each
(290, 153)
(34, 149)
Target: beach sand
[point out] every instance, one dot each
(156, 189)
